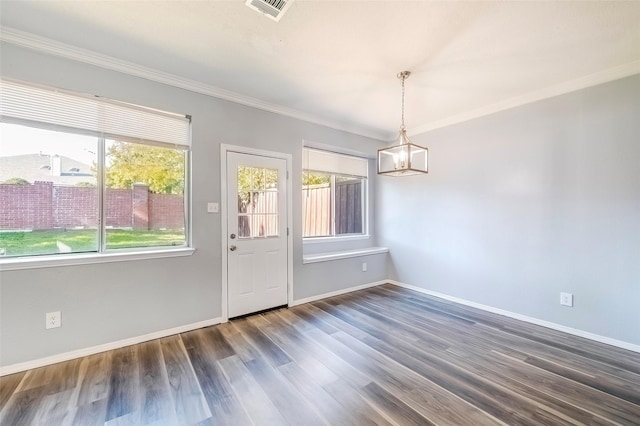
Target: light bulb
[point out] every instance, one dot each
(403, 157)
(400, 159)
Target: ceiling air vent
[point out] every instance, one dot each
(273, 9)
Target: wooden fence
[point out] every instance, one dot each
(318, 213)
(258, 214)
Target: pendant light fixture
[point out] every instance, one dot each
(404, 157)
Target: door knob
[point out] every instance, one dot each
(232, 248)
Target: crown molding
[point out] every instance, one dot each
(55, 48)
(594, 79)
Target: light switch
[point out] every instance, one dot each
(212, 208)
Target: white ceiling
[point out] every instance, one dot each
(335, 62)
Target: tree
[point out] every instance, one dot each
(315, 178)
(254, 180)
(160, 168)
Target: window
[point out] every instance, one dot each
(84, 174)
(257, 202)
(333, 194)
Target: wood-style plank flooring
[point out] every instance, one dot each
(384, 355)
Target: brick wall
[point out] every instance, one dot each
(47, 206)
(74, 206)
(166, 211)
(26, 206)
(140, 204)
(118, 208)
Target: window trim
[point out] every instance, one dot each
(344, 254)
(73, 259)
(347, 237)
(13, 96)
(102, 251)
(366, 234)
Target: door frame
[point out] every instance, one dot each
(224, 283)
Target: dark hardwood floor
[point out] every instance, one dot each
(385, 355)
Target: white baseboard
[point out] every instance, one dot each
(54, 359)
(15, 368)
(532, 320)
(337, 293)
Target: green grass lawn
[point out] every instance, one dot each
(84, 240)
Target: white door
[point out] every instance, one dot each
(256, 233)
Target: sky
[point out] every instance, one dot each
(19, 140)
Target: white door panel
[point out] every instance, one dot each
(257, 233)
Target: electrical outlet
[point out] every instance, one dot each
(212, 208)
(364, 266)
(53, 320)
(566, 299)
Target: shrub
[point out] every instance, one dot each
(16, 181)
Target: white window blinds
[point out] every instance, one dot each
(330, 162)
(45, 107)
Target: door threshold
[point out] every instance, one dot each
(259, 312)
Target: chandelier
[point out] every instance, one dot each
(404, 157)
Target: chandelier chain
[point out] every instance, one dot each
(403, 75)
(403, 78)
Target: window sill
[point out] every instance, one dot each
(12, 264)
(320, 240)
(325, 257)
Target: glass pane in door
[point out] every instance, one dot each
(258, 214)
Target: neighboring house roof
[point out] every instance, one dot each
(43, 167)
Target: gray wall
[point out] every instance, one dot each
(102, 303)
(517, 207)
(523, 204)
